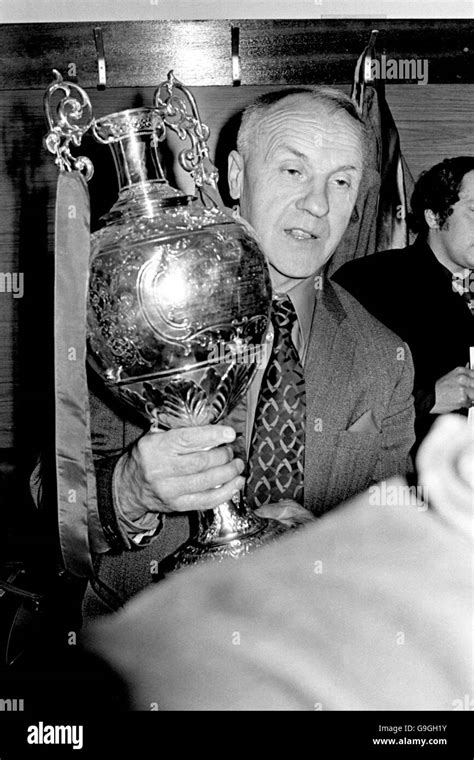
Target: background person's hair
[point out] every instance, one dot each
(438, 189)
(333, 100)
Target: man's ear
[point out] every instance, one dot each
(235, 174)
(431, 219)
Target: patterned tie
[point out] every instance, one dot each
(463, 283)
(276, 461)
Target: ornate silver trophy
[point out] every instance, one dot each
(179, 289)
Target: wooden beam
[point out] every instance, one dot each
(140, 53)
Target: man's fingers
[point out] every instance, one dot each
(209, 499)
(465, 371)
(216, 476)
(466, 381)
(469, 392)
(172, 488)
(188, 440)
(189, 464)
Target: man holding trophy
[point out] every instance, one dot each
(332, 410)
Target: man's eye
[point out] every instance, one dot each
(292, 172)
(342, 182)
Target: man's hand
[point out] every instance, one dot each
(454, 391)
(178, 471)
(287, 512)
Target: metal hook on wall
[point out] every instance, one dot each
(369, 56)
(235, 44)
(99, 46)
(363, 71)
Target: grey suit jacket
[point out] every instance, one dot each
(359, 429)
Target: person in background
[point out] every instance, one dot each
(425, 293)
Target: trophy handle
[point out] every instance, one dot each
(188, 124)
(73, 118)
(64, 125)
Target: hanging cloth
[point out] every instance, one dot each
(76, 496)
(380, 215)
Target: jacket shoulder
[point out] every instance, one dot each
(366, 329)
(384, 262)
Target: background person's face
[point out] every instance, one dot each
(455, 241)
(298, 185)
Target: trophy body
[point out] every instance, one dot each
(179, 299)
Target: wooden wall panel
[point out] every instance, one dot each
(434, 121)
(139, 53)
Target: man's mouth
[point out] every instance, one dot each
(299, 234)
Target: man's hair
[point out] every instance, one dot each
(438, 189)
(333, 100)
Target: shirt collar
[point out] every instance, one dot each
(303, 298)
(460, 280)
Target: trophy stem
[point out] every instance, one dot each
(229, 521)
(230, 530)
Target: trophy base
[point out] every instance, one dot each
(196, 551)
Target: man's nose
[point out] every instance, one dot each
(314, 199)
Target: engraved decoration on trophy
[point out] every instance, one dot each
(172, 277)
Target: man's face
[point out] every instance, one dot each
(298, 185)
(454, 242)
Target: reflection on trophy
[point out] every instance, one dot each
(173, 282)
